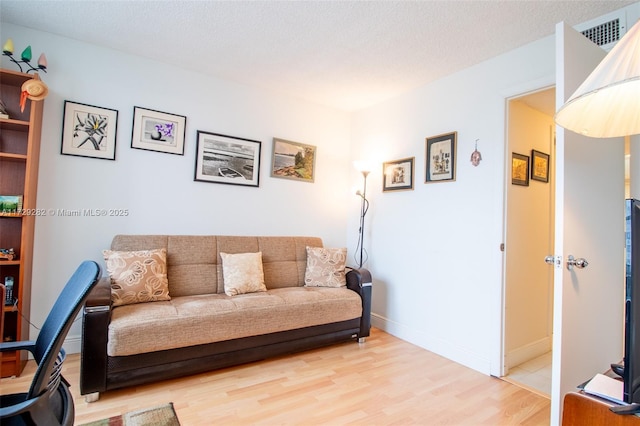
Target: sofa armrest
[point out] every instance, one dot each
(359, 280)
(95, 332)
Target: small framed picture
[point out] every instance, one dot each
(89, 131)
(158, 131)
(227, 159)
(441, 158)
(539, 166)
(397, 175)
(519, 169)
(293, 160)
(10, 205)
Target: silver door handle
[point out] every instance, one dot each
(579, 262)
(553, 260)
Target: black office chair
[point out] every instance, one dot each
(48, 401)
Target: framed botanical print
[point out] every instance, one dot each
(158, 131)
(89, 131)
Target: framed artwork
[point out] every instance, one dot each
(519, 169)
(539, 166)
(89, 131)
(293, 160)
(227, 159)
(10, 205)
(397, 175)
(441, 158)
(158, 131)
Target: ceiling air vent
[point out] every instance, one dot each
(606, 30)
(606, 33)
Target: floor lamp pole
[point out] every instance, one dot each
(364, 206)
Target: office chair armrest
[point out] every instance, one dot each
(18, 408)
(24, 345)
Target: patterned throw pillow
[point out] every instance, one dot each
(137, 276)
(325, 267)
(242, 273)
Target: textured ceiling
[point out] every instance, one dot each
(344, 54)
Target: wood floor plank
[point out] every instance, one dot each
(384, 381)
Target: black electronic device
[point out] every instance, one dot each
(631, 363)
(618, 369)
(8, 295)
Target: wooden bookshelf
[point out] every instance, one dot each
(19, 159)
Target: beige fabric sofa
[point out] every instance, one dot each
(201, 328)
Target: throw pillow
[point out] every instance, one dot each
(325, 267)
(137, 276)
(242, 273)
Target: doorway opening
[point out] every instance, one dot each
(529, 237)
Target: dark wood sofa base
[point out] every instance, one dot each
(123, 372)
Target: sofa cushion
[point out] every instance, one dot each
(201, 319)
(242, 273)
(137, 276)
(325, 267)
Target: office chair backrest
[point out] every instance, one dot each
(48, 345)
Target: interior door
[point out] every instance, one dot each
(588, 303)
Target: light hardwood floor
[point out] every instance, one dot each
(384, 381)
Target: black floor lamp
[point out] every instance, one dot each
(364, 207)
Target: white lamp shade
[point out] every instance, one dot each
(607, 103)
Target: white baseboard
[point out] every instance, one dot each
(72, 344)
(528, 352)
(438, 346)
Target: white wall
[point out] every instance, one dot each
(158, 189)
(435, 251)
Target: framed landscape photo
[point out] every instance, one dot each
(227, 159)
(10, 205)
(539, 166)
(519, 169)
(158, 131)
(89, 131)
(441, 158)
(398, 174)
(293, 160)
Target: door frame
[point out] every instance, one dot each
(504, 368)
(498, 356)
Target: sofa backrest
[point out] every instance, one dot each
(194, 265)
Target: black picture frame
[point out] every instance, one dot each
(227, 159)
(539, 166)
(441, 158)
(519, 169)
(158, 131)
(398, 175)
(89, 131)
